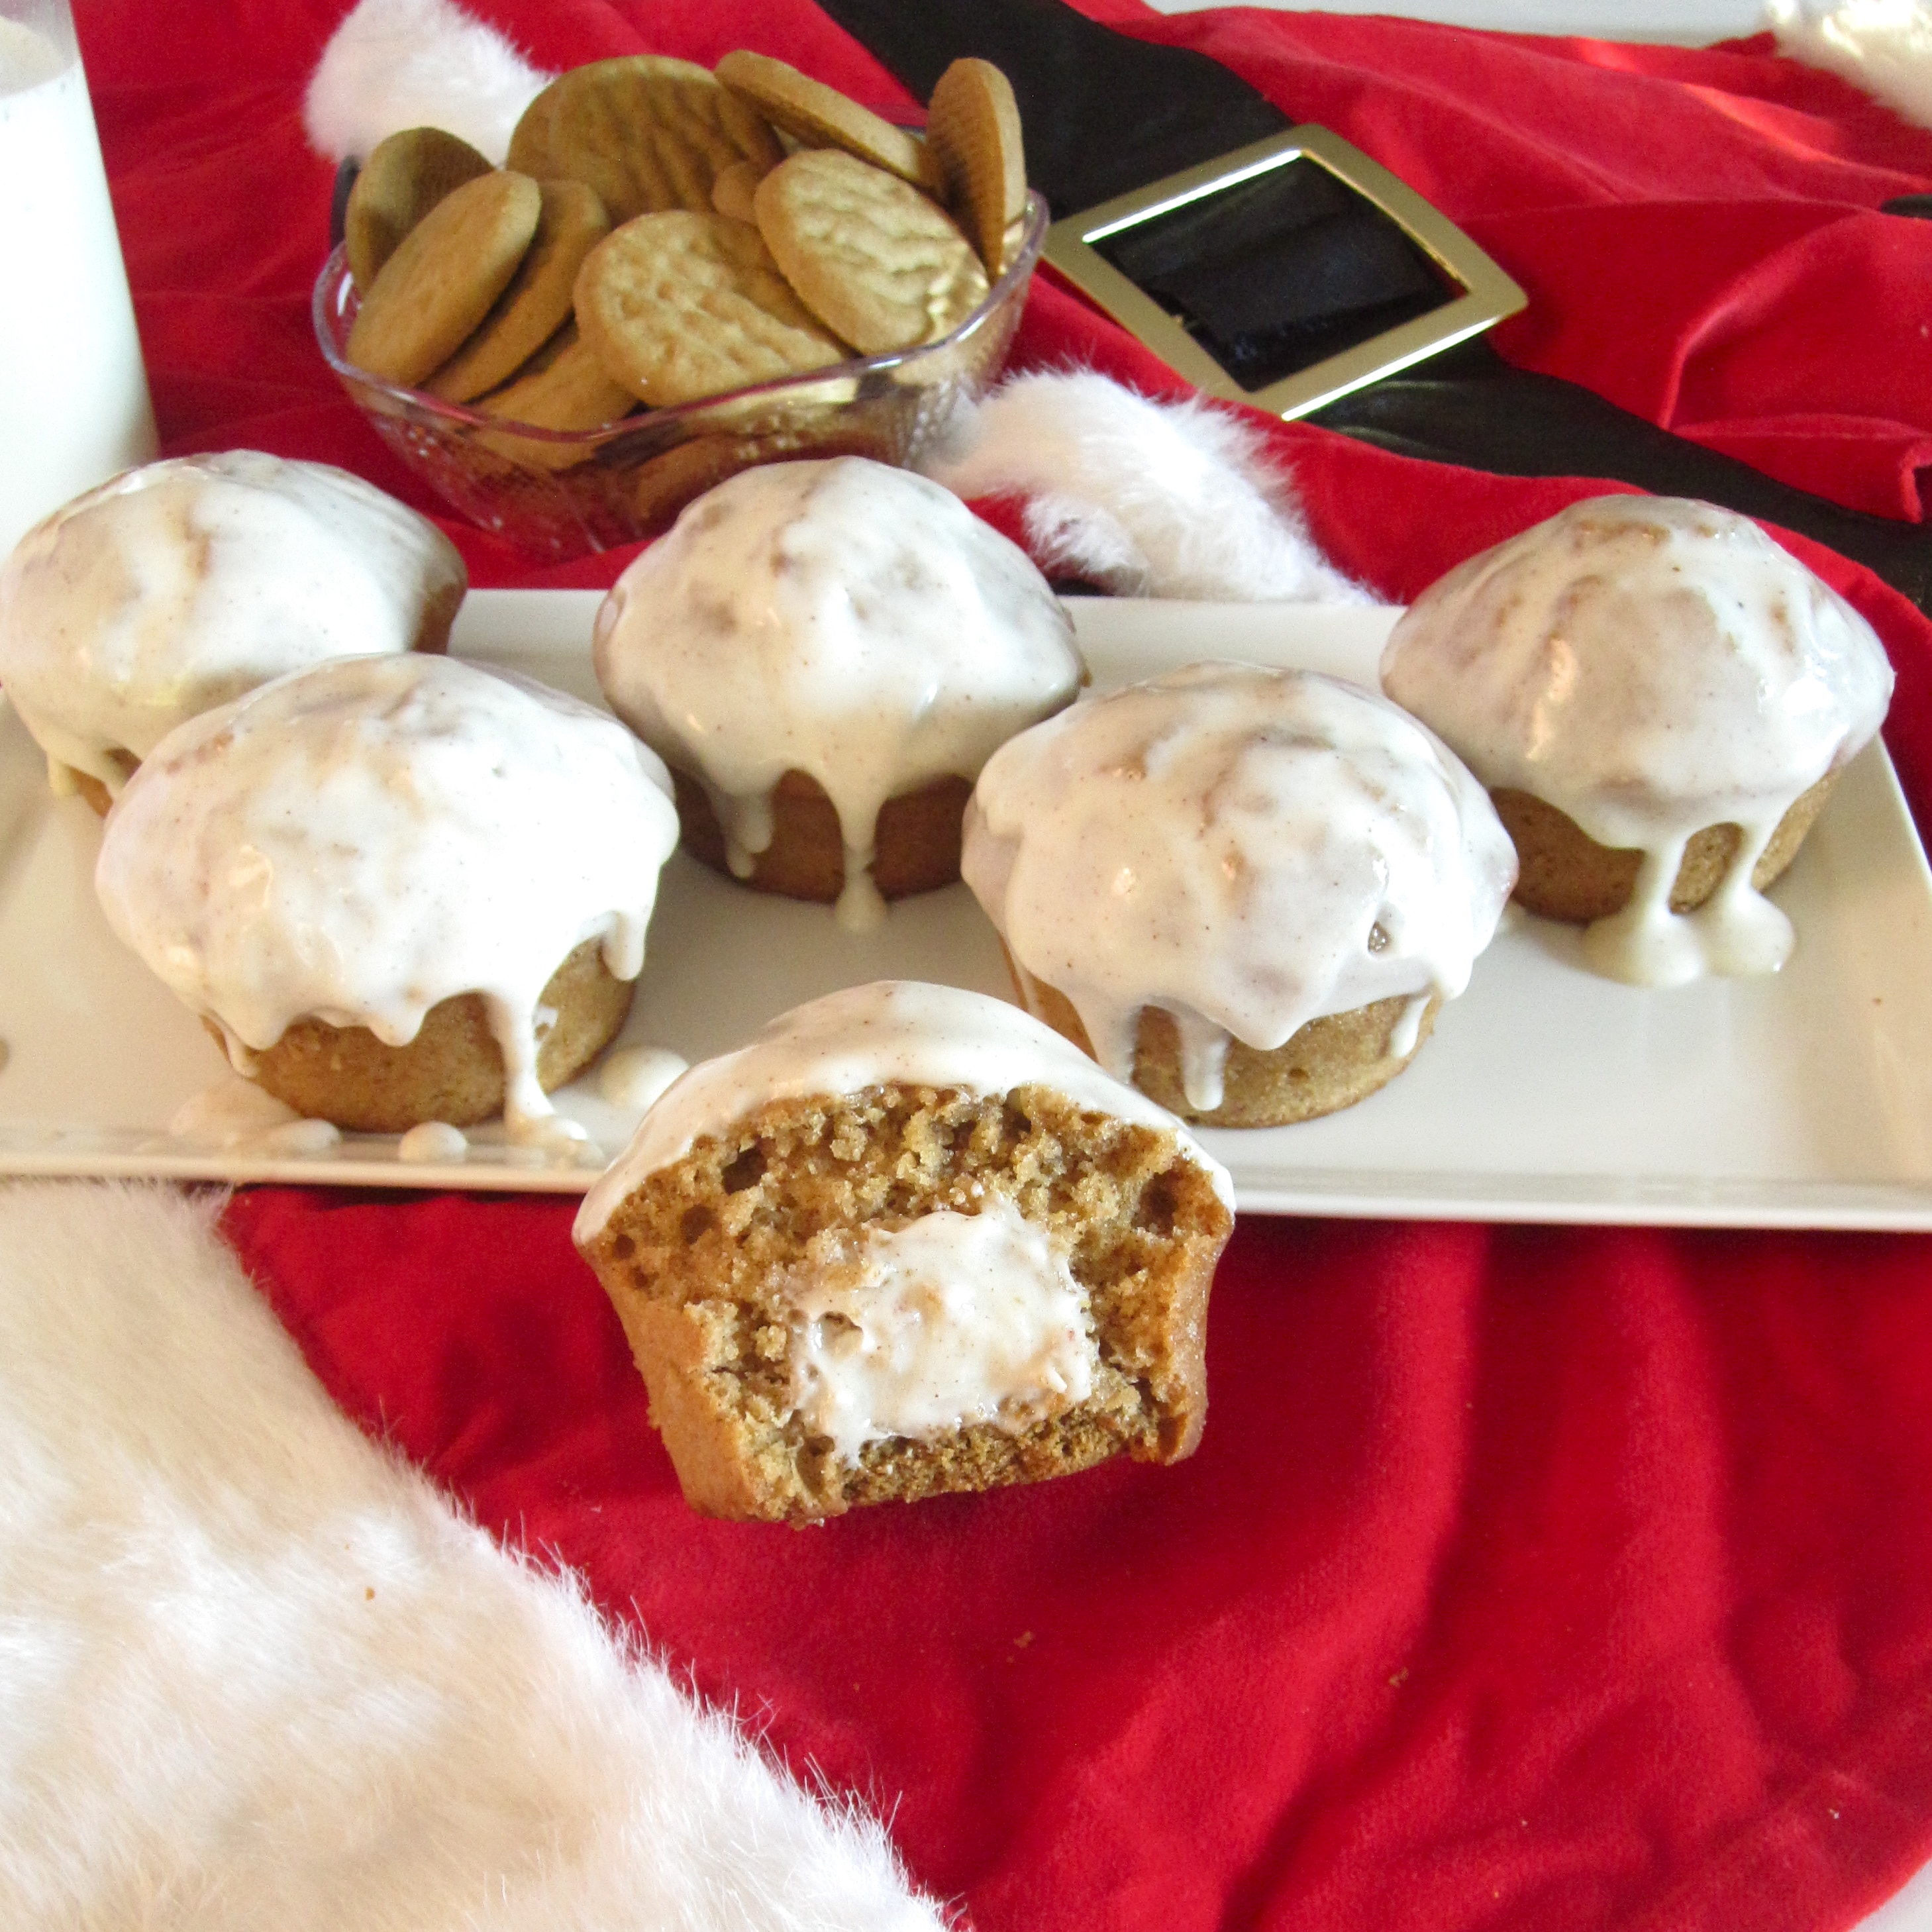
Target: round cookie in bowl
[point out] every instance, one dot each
(826, 653)
(1660, 698)
(179, 586)
(399, 890)
(1248, 890)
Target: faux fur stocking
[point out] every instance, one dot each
(1145, 499)
(1884, 47)
(254, 1673)
(396, 64)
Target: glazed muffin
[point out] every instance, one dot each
(907, 1241)
(399, 889)
(1247, 890)
(1659, 698)
(825, 654)
(180, 586)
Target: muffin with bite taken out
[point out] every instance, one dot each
(906, 1241)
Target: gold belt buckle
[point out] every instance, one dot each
(1478, 293)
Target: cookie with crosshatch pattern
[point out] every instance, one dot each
(879, 263)
(680, 306)
(649, 133)
(972, 128)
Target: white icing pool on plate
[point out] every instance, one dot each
(633, 1077)
(237, 1116)
(432, 1142)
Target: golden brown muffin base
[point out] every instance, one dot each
(1565, 874)
(918, 838)
(453, 1070)
(689, 1260)
(439, 613)
(1329, 1064)
(91, 789)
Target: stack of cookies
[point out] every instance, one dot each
(662, 234)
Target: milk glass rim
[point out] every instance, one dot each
(53, 21)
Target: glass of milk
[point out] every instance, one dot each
(73, 396)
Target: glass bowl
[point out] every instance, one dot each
(560, 494)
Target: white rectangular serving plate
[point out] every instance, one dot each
(1546, 1094)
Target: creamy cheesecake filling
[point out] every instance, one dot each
(921, 1331)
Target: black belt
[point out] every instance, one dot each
(1265, 286)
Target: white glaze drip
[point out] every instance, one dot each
(919, 1330)
(1246, 849)
(359, 841)
(746, 823)
(1649, 666)
(1408, 1027)
(845, 620)
(899, 1031)
(179, 587)
(1204, 1058)
(239, 1057)
(1737, 931)
(861, 906)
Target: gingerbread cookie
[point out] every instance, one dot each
(818, 116)
(648, 133)
(563, 387)
(681, 306)
(405, 176)
(731, 193)
(444, 278)
(669, 480)
(537, 303)
(972, 128)
(877, 262)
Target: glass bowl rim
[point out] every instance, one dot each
(461, 419)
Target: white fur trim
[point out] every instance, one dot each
(1884, 47)
(1146, 499)
(395, 64)
(254, 1673)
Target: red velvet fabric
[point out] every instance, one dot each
(1527, 1578)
